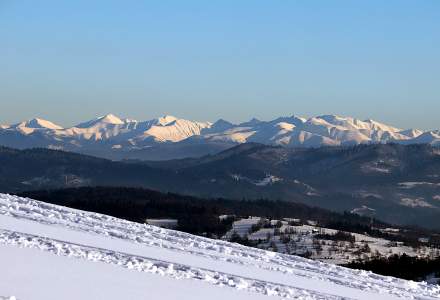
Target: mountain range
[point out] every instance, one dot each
(169, 137)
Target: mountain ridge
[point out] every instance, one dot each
(112, 137)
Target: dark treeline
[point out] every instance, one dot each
(338, 236)
(402, 266)
(200, 216)
(195, 215)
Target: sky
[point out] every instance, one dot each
(70, 61)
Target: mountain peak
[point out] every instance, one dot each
(298, 118)
(222, 122)
(334, 118)
(218, 126)
(252, 122)
(111, 119)
(165, 120)
(38, 123)
(107, 119)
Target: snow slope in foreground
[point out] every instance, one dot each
(53, 252)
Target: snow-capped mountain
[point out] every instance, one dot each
(38, 124)
(54, 252)
(111, 133)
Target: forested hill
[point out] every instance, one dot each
(394, 183)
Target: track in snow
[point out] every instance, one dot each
(228, 263)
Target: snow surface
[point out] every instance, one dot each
(413, 184)
(38, 123)
(415, 202)
(267, 180)
(53, 252)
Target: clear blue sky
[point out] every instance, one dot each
(74, 60)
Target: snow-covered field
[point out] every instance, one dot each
(53, 252)
(242, 227)
(303, 238)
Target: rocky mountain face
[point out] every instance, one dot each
(169, 137)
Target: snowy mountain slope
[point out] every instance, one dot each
(107, 119)
(51, 250)
(171, 129)
(38, 124)
(111, 133)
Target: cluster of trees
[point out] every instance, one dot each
(236, 238)
(205, 224)
(402, 266)
(338, 236)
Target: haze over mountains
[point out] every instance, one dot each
(169, 137)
